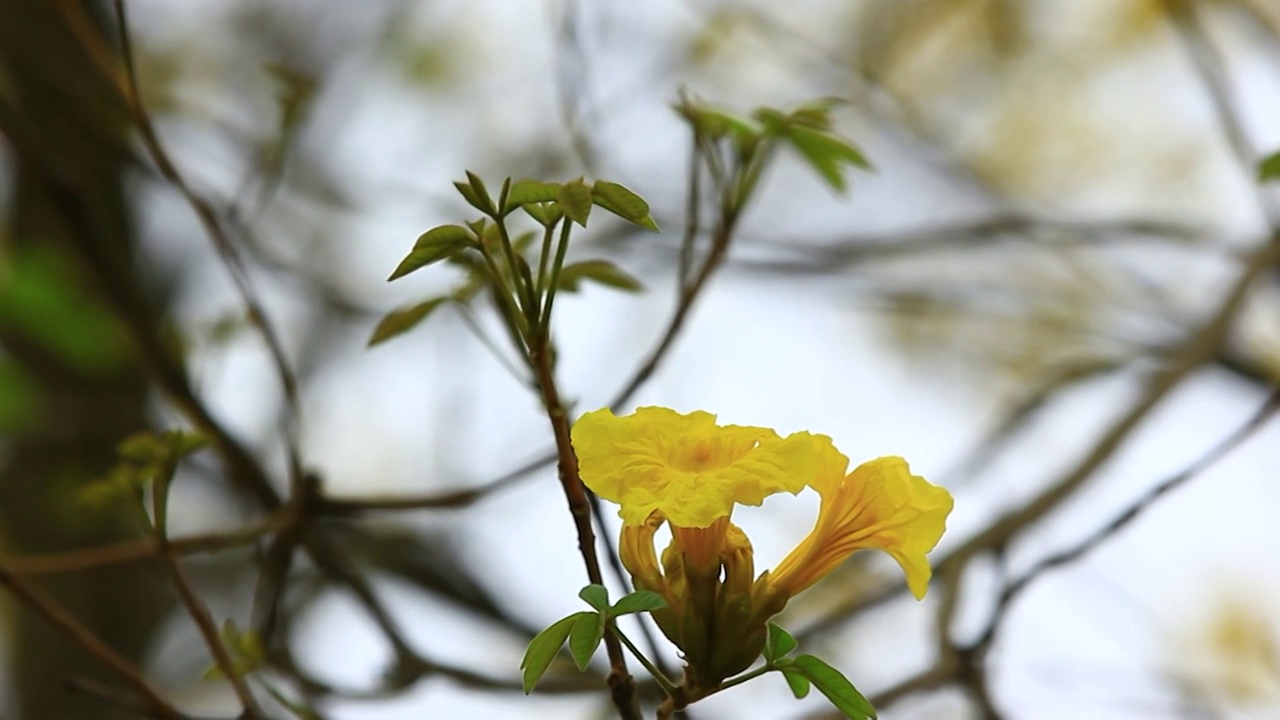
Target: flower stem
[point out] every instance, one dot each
(622, 686)
(667, 685)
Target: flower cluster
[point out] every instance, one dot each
(661, 466)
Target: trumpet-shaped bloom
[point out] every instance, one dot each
(686, 466)
(662, 466)
(879, 505)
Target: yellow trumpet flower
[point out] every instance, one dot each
(684, 470)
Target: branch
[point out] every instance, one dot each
(117, 698)
(1221, 450)
(621, 684)
(222, 243)
(1200, 346)
(46, 607)
(998, 229)
(451, 499)
(142, 549)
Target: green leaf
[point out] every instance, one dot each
(403, 320)
(141, 447)
(475, 193)
(816, 114)
(547, 214)
(433, 246)
(716, 124)
(601, 271)
(622, 202)
(542, 650)
(528, 192)
(585, 637)
(826, 153)
(595, 596)
(797, 681)
(780, 643)
(1269, 168)
(184, 443)
(574, 199)
(524, 241)
(244, 647)
(249, 651)
(842, 694)
(638, 601)
(775, 122)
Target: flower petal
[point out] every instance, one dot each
(879, 505)
(686, 466)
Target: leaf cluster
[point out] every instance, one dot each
(807, 130)
(583, 630)
(493, 261)
(805, 671)
(143, 458)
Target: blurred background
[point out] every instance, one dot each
(1057, 292)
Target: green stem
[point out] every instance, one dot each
(544, 327)
(548, 237)
(515, 320)
(523, 290)
(767, 667)
(667, 685)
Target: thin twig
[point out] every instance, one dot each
(141, 549)
(1141, 505)
(1200, 346)
(199, 613)
(448, 500)
(469, 318)
(46, 607)
(218, 235)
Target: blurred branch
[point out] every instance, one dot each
(143, 549)
(56, 615)
(1198, 348)
(1012, 591)
(218, 235)
(449, 499)
(196, 608)
(573, 86)
(1212, 69)
(199, 613)
(117, 698)
(1002, 228)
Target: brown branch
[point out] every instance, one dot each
(621, 685)
(117, 698)
(1200, 346)
(222, 243)
(1012, 591)
(195, 607)
(839, 254)
(53, 613)
(142, 549)
(199, 613)
(447, 500)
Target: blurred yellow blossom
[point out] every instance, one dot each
(661, 466)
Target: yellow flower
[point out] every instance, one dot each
(688, 467)
(684, 470)
(879, 505)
